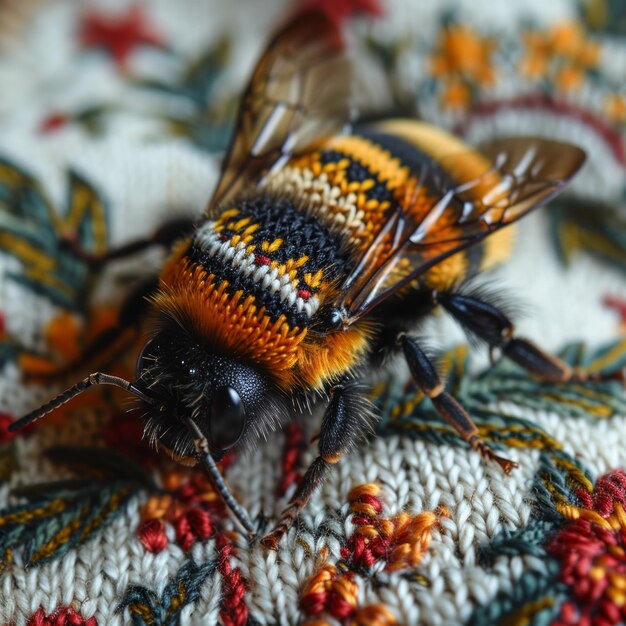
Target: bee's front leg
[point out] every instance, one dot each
(347, 417)
(488, 323)
(428, 380)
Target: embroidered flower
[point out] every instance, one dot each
(561, 54)
(615, 107)
(120, 34)
(190, 505)
(399, 542)
(463, 61)
(591, 548)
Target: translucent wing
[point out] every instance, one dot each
(449, 207)
(299, 92)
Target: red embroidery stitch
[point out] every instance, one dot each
(234, 610)
(124, 432)
(152, 535)
(119, 35)
(259, 259)
(305, 294)
(5, 422)
(617, 304)
(340, 10)
(63, 616)
(53, 122)
(592, 550)
(292, 453)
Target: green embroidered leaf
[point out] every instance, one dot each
(60, 515)
(21, 196)
(535, 599)
(604, 16)
(208, 125)
(35, 234)
(197, 81)
(8, 352)
(527, 540)
(585, 225)
(146, 608)
(404, 409)
(86, 214)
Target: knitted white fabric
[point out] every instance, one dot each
(146, 173)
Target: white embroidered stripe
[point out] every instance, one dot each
(266, 278)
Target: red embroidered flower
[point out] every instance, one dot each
(339, 10)
(619, 306)
(592, 551)
(118, 35)
(190, 506)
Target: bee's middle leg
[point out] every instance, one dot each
(428, 380)
(346, 418)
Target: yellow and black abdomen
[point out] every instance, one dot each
(355, 182)
(461, 163)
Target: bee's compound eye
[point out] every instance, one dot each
(146, 357)
(228, 418)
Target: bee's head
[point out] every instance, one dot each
(227, 398)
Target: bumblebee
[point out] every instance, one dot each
(323, 246)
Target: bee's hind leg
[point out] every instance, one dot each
(488, 323)
(428, 380)
(346, 419)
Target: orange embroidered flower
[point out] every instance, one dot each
(463, 61)
(615, 107)
(66, 337)
(400, 542)
(461, 52)
(561, 53)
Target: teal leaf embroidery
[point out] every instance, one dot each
(58, 516)
(146, 608)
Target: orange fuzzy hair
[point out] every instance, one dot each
(234, 324)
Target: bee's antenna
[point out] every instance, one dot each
(93, 379)
(204, 456)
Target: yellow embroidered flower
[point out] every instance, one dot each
(561, 53)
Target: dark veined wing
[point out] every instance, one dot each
(439, 218)
(300, 92)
